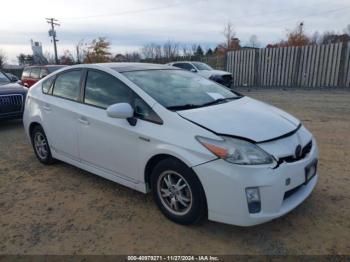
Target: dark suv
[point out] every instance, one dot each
(12, 97)
(33, 74)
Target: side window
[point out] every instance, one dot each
(185, 66)
(103, 90)
(67, 85)
(26, 72)
(35, 73)
(47, 84)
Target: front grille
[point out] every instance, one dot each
(304, 152)
(227, 80)
(11, 103)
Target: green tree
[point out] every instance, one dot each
(209, 52)
(199, 51)
(3, 59)
(98, 51)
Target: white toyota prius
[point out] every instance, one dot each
(200, 148)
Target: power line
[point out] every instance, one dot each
(306, 16)
(52, 33)
(129, 11)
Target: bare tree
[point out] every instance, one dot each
(186, 50)
(254, 42)
(347, 30)
(315, 38)
(133, 57)
(149, 51)
(67, 58)
(50, 58)
(229, 34)
(170, 49)
(158, 52)
(81, 49)
(194, 48)
(3, 58)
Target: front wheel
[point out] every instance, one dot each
(178, 192)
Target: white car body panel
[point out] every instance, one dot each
(242, 118)
(86, 137)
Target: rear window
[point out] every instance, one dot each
(26, 72)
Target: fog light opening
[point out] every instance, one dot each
(253, 199)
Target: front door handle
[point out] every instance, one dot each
(83, 121)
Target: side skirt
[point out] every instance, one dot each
(141, 187)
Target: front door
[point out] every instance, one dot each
(107, 143)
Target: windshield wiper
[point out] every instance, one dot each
(192, 106)
(183, 107)
(219, 101)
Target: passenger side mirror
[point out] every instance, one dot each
(122, 111)
(193, 70)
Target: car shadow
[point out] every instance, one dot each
(6, 125)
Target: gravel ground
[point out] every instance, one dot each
(60, 209)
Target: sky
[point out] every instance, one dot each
(129, 24)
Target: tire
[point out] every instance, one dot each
(42, 152)
(172, 196)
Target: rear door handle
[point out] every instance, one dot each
(84, 121)
(47, 107)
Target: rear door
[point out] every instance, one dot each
(61, 113)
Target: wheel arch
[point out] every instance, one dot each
(32, 126)
(154, 160)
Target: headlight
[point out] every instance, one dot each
(236, 151)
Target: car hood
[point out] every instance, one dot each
(12, 88)
(209, 73)
(244, 117)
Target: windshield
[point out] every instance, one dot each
(177, 88)
(202, 66)
(4, 79)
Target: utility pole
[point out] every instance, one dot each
(52, 33)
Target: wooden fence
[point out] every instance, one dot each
(306, 66)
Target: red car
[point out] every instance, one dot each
(33, 74)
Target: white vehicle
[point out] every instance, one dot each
(221, 77)
(200, 148)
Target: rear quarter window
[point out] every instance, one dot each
(47, 84)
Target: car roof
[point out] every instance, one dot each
(127, 67)
(186, 62)
(45, 66)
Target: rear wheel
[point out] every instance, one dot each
(41, 146)
(178, 192)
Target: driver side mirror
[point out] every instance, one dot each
(193, 70)
(122, 111)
